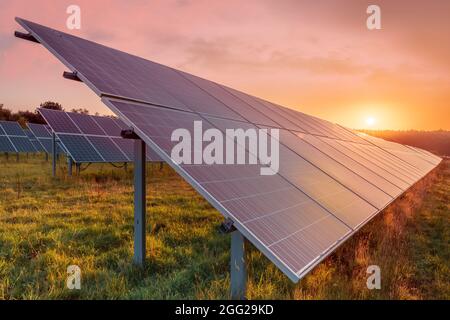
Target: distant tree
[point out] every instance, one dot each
(51, 105)
(32, 117)
(80, 110)
(5, 114)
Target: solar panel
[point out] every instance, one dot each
(6, 145)
(91, 138)
(331, 180)
(80, 149)
(16, 137)
(44, 137)
(39, 130)
(34, 141)
(109, 126)
(12, 128)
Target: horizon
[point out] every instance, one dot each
(336, 69)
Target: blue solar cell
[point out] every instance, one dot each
(12, 128)
(59, 120)
(109, 126)
(85, 123)
(39, 130)
(6, 145)
(22, 144)
(80, 148)
(108, 150)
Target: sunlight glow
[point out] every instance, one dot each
(370, 121)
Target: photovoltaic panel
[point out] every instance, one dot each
(12, 128)
(39, 130)
(108, 149)
(59, 121)
(22, 144)
(6, 145)
(16, 137)
(86, 124)
(80, 149)
(100, 134)
(34, 140)
(43, 136)
(330, 180)
(109, 126)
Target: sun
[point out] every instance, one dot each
(370, 121)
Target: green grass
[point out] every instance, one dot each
(48, 224)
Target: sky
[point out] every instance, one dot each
(315, 56)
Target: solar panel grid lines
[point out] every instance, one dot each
(330, 181)
(240, 185)
(387, 152)
(391, 148)
(370, 192)
(44, 137)
(12, 128)
(85, 124)
(39, 130)
(6, 144)
(246, 111)
(406, 171)
(34, 140)
(15, 138)
(109, 126)
(371, 164)
(429, 156)
(90, 138)
(312, 177)
(352, 164)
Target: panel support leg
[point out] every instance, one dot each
(139, 202)
(46, 156)
(77, 168)
(53, 155)
(17, 156)
(238, 266)
(69, 166)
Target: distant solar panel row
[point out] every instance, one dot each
(14, 139)
(92, 138)
(331, 180)
(43, 135)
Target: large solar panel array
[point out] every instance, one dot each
(13, 138)
(331, 180)
(92, 138)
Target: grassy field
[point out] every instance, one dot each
(47, 224)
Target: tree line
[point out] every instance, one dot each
(24, 117)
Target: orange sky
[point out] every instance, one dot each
(316, 56)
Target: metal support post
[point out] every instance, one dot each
(139, 202)
(238, 266)
(54, 154)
